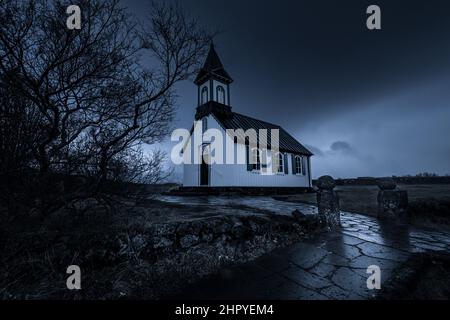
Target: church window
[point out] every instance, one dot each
(204, 94)
(298, 165)
(220, 94)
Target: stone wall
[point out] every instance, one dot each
(175, 254)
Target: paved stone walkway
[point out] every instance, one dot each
(330, 266)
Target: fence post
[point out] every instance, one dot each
(392, 203)
(328, 203)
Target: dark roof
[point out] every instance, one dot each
(239, 121)
(213, 67)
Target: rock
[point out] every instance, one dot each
(121, 288)
(192, 227)
(238, 230)
(162, 229)
(139, 242)
(326, 183)
(299, 216)
(188, 241)
(328, 203)
(162, 243)
(85, 204)
(392, 204)
(387, 184)
(207, 237)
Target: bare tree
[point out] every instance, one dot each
(95, 93)
(19, 126)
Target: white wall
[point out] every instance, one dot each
(229, 175)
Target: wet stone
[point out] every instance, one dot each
(331, 265)
(363, 262)
(328, 206)
(392, 204)
(383, 252)
(343, 250)
(307, 256)
(336, 293)
(336, 260)
(326, 183)
(306, 294)
(323, 270)
(351, 240)
(351, 281)
(306, 279)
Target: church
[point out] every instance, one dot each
(286, 167)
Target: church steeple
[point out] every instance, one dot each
(213, 67)
(213, 80)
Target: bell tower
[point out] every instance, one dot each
(213, 81)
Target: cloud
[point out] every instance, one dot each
(342, 146)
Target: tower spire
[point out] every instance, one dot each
(213, 68)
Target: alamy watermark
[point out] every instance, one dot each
(374, 20)
(74, 280)
(230, 146)
(374, 280)
(73, 22)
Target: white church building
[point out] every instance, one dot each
(288, 166)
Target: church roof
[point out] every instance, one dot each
(213, 67)
(240, 121)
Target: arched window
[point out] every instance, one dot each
(279, 162)
(256, 159)
(298, 165)
(204, 94)
(220, 93)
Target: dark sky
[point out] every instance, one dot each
(365, 102)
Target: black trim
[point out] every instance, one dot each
(303, 166)
(247, 157)
(309, 171)
(285, 164)
(293, 163)
(211, 88)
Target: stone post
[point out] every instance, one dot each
(328, 203)
(392, 203)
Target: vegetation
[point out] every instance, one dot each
(82, 103)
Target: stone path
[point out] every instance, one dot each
(330, 266)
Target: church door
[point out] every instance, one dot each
(204, 165)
